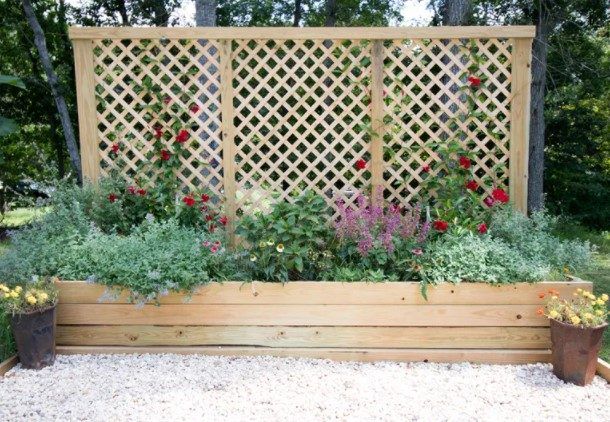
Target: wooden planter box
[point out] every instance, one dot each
(345, 321)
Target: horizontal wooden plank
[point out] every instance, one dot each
(337, 293)
(490, 356)
(8, 364)
(603, 369)
(287, 336)
(314, 33)
(347, 315)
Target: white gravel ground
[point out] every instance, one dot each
(176, 388)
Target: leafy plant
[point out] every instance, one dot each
(7, 125)
(291, 242)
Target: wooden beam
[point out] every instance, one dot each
(377, 117)
(318, 336)
(503, 357)
(337, 293)
(8, 364)
(603, 369)
(520, 122)
(344, 315)
(87, 113)
(313, 33)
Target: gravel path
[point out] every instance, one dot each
(177, 388)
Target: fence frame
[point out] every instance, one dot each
(520, 37)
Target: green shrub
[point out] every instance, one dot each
(156, 258)
(534, 240)
(291, 242)
(458, 257)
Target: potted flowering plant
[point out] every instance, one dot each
(577, 328)
(32, 309)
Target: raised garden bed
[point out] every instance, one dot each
(348, 321)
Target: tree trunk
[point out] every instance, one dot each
(205, 12)
(542, 19)
(122, 8)
(455, 12)
(331, 13)
(60, 102)
(297, 13)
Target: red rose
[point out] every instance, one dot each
(472, 185)
(360, 164)
(465, 162)
(112, 197)
(224, 220)
(189, 200)
(115, 148)
(208, 217)
(489, 201)
(182, 136)
(475, 81)
(167, 99)
(482, 228)
(205, 198)
(214, 249)
(194, 108)
(426, 168)
(212, 227)
(158, 133)
(440, 225)
(499, 195)
(165, 155)
(141, 192)
(131, 190)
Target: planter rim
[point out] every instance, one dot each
(576, 327)
(38, 311)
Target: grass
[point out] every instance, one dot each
(20, 216)
(599, 273)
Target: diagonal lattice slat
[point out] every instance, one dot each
(302, 111)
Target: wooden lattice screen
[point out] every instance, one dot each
(285, 109)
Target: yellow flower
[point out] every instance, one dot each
(599, 312)
(4, 288)
(593, 302)
(553, 314)
(14, 295)
(31, 300)
(592, 297)
(18, 289)
(604, 297)
(600, 302)
(280, 247)
(554, 297)
(588, 316)
(42, 296)
(575, 320)
(253, 258)
(7, 295)
(270, 242)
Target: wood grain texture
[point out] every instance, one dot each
(520, 122)
(603, 369)
(87, 115)
(319, 33)
(492, 356)
(336, 293)
(290, 336)
(8, 364)
(358, 315)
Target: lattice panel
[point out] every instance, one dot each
(131, 75)
(301, 107)
(422, 87)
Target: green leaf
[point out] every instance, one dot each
(11, 80)
(7, 126)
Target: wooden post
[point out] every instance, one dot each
(377, 114)
(87, 114)
(520, 121)
(228, 136)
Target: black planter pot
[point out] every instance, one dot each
(35, 337)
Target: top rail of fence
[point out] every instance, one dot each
(313, 33)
